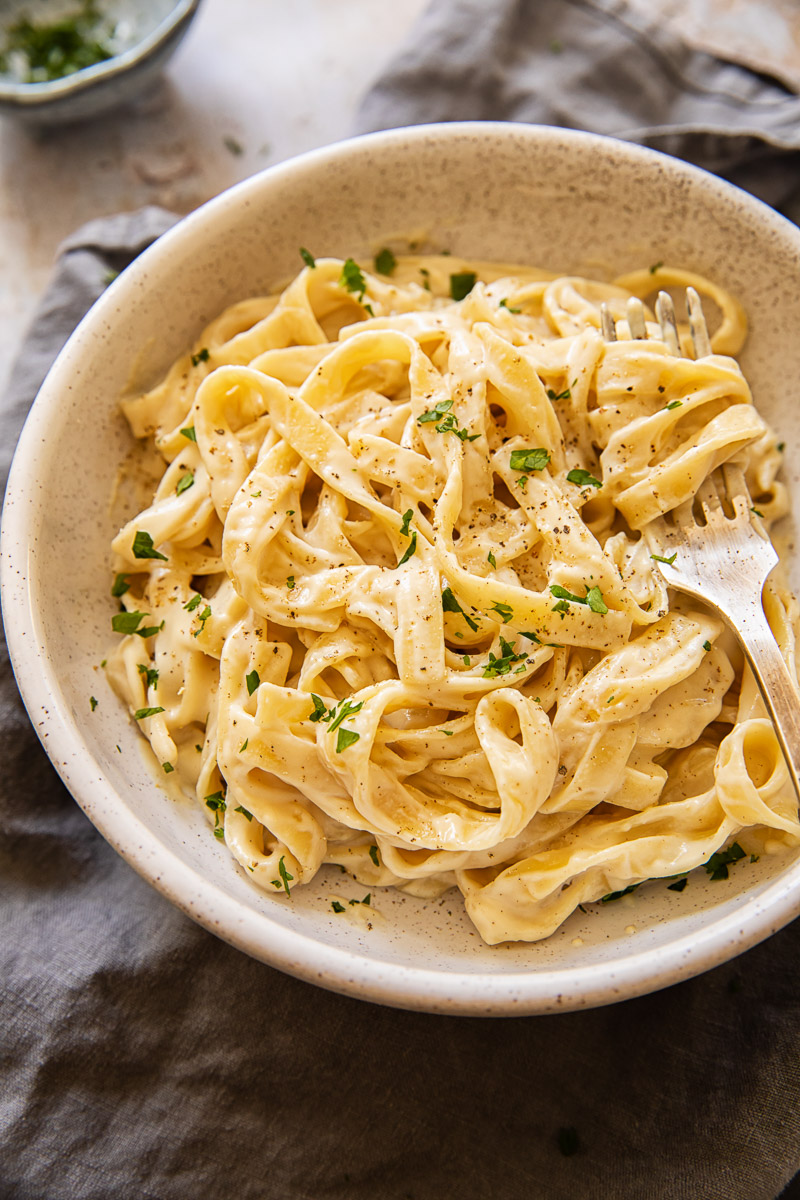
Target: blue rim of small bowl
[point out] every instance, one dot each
(34, 95)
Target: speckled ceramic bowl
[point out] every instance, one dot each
(565, 200)
(146, 34)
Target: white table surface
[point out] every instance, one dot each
(255, 82)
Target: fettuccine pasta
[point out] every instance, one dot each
(394, 604)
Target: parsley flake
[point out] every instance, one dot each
(504, 611)
(285, 877)
(189, 433)
(706, 646)
(141, 713)
(678, 886)
(245, 813)
(504, 304)
(290, 582)
(407, 515)
(336, 906)
(593, 597)
(167, 768)
(582, 478)
(616, 895)
(252, 680)
(201, 356)
(757, 511)
(669, 561)
(450, 604)
(345, 738)
(93, 702)
(717, 865)
(462, 283)
(385, 261)
(319, 709)
(143, 546)
(656, 267)
(120, 586)
(352, 279)
(184, 483)
(192, 604)
(150, 674)
(307, 257)
(673, 404)
(529, 460)
(373, 853)
(492, 561)
(552, 394)
(411, 549)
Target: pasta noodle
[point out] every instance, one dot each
(393, 605)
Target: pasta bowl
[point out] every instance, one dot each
(569, 202)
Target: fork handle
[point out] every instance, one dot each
(774, 681)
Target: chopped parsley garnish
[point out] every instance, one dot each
(54, 49)
(244, 745)
(583, 478)
(192, 604)
(385, 262)
(345, 738)
(290, 582)
(93, 702)
(462, 283)
(201, 356)
(285, 878)
(141, 713)
(216, 802)
(757, 511)
(552, 394)
(673, 404)
(336, 906)
(219, 832)
(367, 899)
(781, 447)
(184, 483)
(436, 413)
(568, 1141)
(501, 666)
(352, 279)
(593, 597)
(529, 460)
(656, 267)
(346, 708)
(127, 622)
(504, 304)
(167, 768)
(467, 660)
(120, 586)
(252, 680)
(504, 611)
(143, 546)
(202, 618)
(241, 809)
(450, 604)
(307, 257)
(448, 422)
(492, 561)
(678, 885)
(410, 550)
(189, 433)
(150, 674)
(706, 645)
(669, 561)
(534, 637)
(717, 865)
(319, 709)
(404, 528)
(373, 853)
(616, 895)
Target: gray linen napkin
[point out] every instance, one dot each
(143, 1059)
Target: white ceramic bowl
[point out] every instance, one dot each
(568, 201)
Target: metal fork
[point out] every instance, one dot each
(724, 562)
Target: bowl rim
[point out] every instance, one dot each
(49, 91)
(356, 974)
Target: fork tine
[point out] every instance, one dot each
(708, 496)
(607, 323)
(665, 315)
(697, 322)
(736, 490)
(636, 324)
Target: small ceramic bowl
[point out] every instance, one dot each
(141, 35)
(567, 201)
